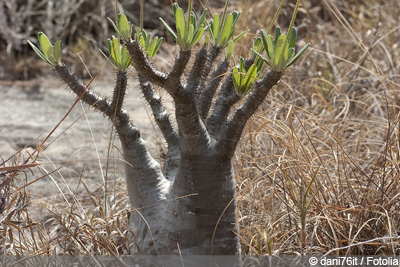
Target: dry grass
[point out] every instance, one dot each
(317, 171)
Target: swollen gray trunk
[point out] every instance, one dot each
(188, 205)
(184, 214)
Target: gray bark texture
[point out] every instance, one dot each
(186, 204)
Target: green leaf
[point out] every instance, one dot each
(190, 34)
(126, 58)
(181, 43)
(277, 34)
(197, 37)
(116, 52)
(109, 45)
(45, 45)
(124, 27)
(292, 38)
(193, 18)
(39, 53)
(226, 31)
(237, 38)
(169, 30)
(180, 23)
(262, 57)
(202, 18)
(236, 77)
(290, 53)
(215, 27)
(115, 26)
(257, 44)
(236, 16)
(281, 53)
(119, 54)
(229, 50)
(264, 38)
(152, 47)
(241, 66)
(147, 38)
(297, 56)
(175, 6)
(158, 44)
(57, 51)
(206, 41)
(271, 47)
(250, 77)
(259, 63)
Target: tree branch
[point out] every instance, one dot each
(145, 181)
(226, 99)
(143, 65)
(234, 128)
(82, 91)
(194, 138)
(208, 94)
(119, 92)
(159, 113)
(191, 128)
(174, 77)
(211, 56)
(197, 70)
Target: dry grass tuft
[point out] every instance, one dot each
(318, 169)
(75, 225)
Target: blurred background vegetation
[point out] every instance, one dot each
(82, 26)
(318, 170)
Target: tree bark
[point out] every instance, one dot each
(201, 201)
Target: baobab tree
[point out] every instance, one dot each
(189, 198)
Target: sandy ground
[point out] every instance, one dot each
(30, 110)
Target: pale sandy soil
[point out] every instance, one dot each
(30, 110)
